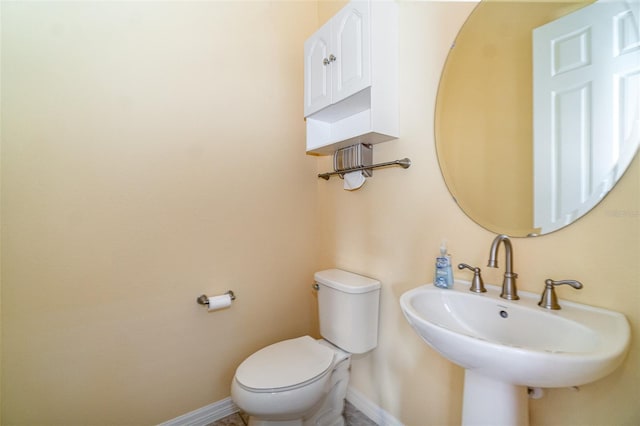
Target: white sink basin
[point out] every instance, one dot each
(518, 342)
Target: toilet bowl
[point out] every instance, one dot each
(303, 381)
(293, 381)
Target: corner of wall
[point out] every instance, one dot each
(328, 8)
(0, 221)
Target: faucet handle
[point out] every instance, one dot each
(477, 285)
(549, 300)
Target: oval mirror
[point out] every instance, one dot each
(538, 111)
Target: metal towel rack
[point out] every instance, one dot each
(404, 163)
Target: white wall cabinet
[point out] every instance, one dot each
(350, 81)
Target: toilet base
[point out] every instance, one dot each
(255, 422)
(329, 410)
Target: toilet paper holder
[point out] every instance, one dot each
(204, 299)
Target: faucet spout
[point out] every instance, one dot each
(509, 290)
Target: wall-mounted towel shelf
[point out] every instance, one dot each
(404, 163)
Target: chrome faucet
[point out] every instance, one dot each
(509, 290)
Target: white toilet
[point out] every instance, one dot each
(303, 381)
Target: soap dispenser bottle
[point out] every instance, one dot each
(444, 273)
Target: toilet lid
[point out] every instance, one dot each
(284, 364)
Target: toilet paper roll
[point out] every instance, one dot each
(219, 302)
(353, 180)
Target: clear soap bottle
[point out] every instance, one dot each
(444, 273)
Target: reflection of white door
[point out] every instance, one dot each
(586, 78)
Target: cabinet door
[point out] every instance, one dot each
(317, 70)
(351, 46)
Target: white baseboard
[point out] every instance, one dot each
(205, 415)
(371, 410)
(225, 407)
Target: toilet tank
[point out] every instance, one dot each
(348, 308)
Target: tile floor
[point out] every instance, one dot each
(352, 416)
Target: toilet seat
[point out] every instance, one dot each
(285, 365)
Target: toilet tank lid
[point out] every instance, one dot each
(347, 282)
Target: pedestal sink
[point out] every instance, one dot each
(506, 346)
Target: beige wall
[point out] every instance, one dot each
(120, 206)
(151, 152)
(392, 227)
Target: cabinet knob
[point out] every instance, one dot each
(331, 58)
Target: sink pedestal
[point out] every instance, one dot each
(488, 401)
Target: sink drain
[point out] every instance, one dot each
(504, 314)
